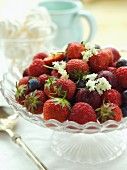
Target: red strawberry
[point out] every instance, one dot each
(55, 73)
(90, 97)
(65, 87)
(53, 57)
(109, 51)
(114, 64)
(34, 101)
(77, 68)
(23, 81)
(121, 75)
(40, 55)
(37, 68)
(74, 50)
(25, 72)
(49, 87)
(56, 108)
(42, 79)
(109, 111)
(112, 96)
(100, 61)
(82, 113)
(21, 92)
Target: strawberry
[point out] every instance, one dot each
(100, 61)
(109, 51)
(55, 73)
(90, 97)
(42, 79)
(23, 81)
(82, 113)
(121, 75)
(37, 68)
(77, 68)
(109, 111)
(54, 57)
(25, 73)
(74, 50)
(40, 55)
(21, 92)
(34, 101)
(65, 87)
(49, 87)
(112, 96)
(114, 64)
(57, 108)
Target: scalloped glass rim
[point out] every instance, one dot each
(22, 40)
(8, 90)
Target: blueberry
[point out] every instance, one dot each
(66, 59)
(124, 110)
(124, 97)
(121, 62)
(81, 84)
(33, 84)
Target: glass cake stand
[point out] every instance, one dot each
(91, 143)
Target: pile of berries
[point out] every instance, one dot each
(82, 84)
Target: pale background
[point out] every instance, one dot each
(111, 17)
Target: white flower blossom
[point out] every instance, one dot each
(89, 52)
(91, 85)
(61, 66)
(91, 76)
(88, 46)
(64, 74)
(102, 85)
(86, 55)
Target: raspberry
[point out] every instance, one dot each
(82, 113)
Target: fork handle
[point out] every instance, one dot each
(17, 139)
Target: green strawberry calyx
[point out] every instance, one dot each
(78, 75)
(105, 112)
(32, 100)
(20, 91)
(50, 81)
(62, 101)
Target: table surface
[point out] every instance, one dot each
(112, 24)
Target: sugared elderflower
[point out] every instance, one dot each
(100, 84)
(91, 85)
(60, 66)
(90, 51)
(91, 76)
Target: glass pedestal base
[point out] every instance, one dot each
(88, 148)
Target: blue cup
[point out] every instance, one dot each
(67, 16)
